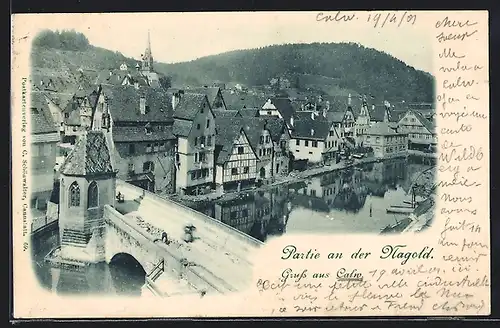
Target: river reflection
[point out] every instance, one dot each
(121, 277)
(350, 200)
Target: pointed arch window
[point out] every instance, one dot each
(93, 195)
(74, 195)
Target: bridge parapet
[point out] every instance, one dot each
(240, 242)
(123, 235)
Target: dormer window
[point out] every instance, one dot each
(312, 132)
(148, 130)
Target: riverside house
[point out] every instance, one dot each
(194, 127)
(314, 137)
(386, 139)
(421, 132)
(236, 161)
(139, 121)
(44, 140)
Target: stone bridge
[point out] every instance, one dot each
(217, 261)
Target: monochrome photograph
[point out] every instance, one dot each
(165, 150)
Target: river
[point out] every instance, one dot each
(346, 201)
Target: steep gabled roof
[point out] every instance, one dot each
(425, 122)
(211, 93)
(238, 101)
(219, 112)
(124, 104)
(41, 118)
(382, 129)
(335, 116)
(137, 133)
(249, 112)
(90, 156)
(314, 129)
(377, 113)
(189, 105)
(284, 107)
(182, 128)
(229, 130)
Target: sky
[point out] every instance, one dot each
(177, 37)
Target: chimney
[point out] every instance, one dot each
(176, 97)
(312, 115)
(373, 106)
(142, 105)
(327, 105)
(291, 120)
(349, 100)
(324, 111)
(136, 85)
(312, 132)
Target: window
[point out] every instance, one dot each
(66, 115)
(193, 175)
(315, 144)
(198, 126)
(261, 139)
(277, 168)
(202, 157)
(202, 140)
(260, 152)
(148, 166)
(162, 146)
(131, 167)
(131, 149)
(74, 195)
(93, 195)
(195, 141)
(234, 171)
(196, 157)
(267, 139)
(245, 169)
(297, 142)
(306, 143)
(240, 150)
(208, 123)
(330, 133)
(202, 109)
(269, 150)
(148, 130)
(209, 140)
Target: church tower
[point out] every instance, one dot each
(147, 58)
(87, 184)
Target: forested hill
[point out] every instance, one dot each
(329, 66)
(335, 69)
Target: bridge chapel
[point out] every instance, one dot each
(87, 183)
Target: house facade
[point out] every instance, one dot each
(362, 123)
(315, 138)
(421, 132)
(139, 122)
(236, 162)
(386, 139)
(78, 114)
(194, 127)
(44, 141)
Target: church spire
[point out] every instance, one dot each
(147, 59)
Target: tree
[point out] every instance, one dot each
(165, 82)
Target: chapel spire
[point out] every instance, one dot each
(147, 58)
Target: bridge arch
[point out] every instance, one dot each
(127, 274)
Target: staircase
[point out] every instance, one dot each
(75, 238)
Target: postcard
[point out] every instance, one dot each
(250, 164)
